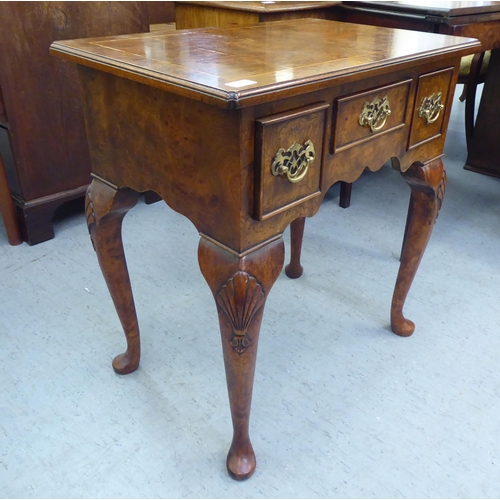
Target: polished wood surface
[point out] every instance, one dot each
(476, 19)
(226, 14)
(237, 129)
(42, 132)
(193, 66)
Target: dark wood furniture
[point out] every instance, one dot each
(42, 132)
(243, 132)
(480, 20)
(161, 15)
(161, 12)
(473, 70)
(7, 211)
(192, 14)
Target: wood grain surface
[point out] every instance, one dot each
(237, 67)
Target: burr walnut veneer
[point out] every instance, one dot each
(243, 131)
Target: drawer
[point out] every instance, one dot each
(363, 116)
(288, 156)
(430, 105)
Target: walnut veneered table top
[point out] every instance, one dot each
(252, 64)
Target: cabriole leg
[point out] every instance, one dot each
(240, 286)
(105, 209)
(427, 183)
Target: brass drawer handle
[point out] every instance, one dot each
(294, 162)
(375, 113)
(431, 107)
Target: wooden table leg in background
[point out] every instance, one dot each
(345, 194)
(294, 269)
(240, 285)
(7, 210)
(427, 183)
(105, 209)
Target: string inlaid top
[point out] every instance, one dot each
(237, 67)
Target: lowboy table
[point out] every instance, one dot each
(243, 131)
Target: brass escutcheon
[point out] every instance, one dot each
(375, 113)
(431, 107)
(294, 162)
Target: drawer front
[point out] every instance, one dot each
(288, 156)
(430, 104)
(361, 117)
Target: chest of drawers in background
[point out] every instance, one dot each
(42, 132)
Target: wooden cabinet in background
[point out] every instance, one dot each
(192, 14)
(161, 12)
(42, 132)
